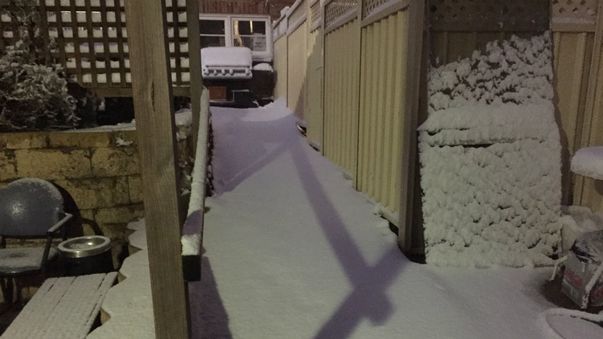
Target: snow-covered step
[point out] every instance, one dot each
(63, 307)
(127, 311)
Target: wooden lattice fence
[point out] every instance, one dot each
(91, 41)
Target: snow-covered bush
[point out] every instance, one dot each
(33, 95)
(512, 71)
(491, 158)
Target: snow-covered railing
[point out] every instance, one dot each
(192, 231)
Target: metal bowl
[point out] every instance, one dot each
(85, 246)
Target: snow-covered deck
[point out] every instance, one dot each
(293, 251)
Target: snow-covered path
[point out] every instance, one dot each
(293, 251)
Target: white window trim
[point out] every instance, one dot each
(265, 56)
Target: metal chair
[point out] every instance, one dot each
(29, 209)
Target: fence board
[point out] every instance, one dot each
(296, 65)
(157, 139)
(280, 67)
(384, 47)
(314, 89)
(342, 67)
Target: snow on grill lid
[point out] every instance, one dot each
(226, 56)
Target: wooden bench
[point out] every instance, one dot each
(62, 308)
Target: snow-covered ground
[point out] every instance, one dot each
(293, 251)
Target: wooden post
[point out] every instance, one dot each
(153, 108)
(194, 50)
(409, 125)
(590, 109)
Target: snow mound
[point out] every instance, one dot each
(481, 123)
(491, 159)
(561, 323)
(589, 162)
(263, 67)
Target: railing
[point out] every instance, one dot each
(192, 231)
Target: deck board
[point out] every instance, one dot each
(62, 308)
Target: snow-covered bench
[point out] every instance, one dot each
(63, 308)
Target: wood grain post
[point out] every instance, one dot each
(408, 191)
(194, 50)
(153, 108)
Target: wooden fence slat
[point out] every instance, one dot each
(409, 125)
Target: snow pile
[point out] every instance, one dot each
(263, 67)
(589, 162)
(129, 304)
(577, 221)
(490, 156)
(561, 323)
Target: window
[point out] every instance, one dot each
(213, 33)
(250, 33)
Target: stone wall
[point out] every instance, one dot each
(98, 167)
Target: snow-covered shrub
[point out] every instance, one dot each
(33, 95)
(491, 159)
(512, 71)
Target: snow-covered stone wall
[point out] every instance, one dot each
(491, 159)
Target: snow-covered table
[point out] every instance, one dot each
(63, 308)
(588, 162)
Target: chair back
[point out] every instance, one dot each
(29, 207)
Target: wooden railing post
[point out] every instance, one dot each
(153, 108)
(408, 166)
